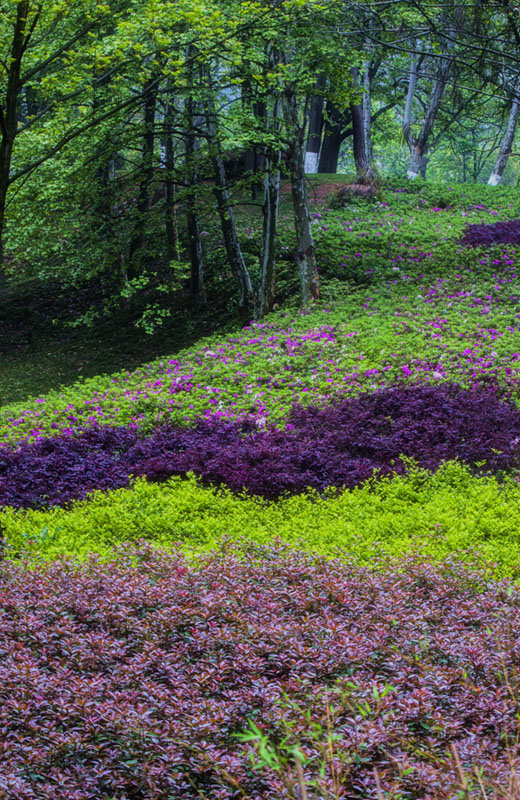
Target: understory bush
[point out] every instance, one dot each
(136, 678)
(339, 445)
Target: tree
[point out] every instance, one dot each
(509, 137)
(42, 73)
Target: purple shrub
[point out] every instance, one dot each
(338, 445)
(55, 470)
(486, 235)
(131, 681)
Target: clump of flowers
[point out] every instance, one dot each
(340, 444)
(133, 678)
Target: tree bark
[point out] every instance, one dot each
(508, 140)
(361, 139)
(8, 113)
(191, 205)
(225, 212)
(143, 198)
(305, 256)
(419, 144)
(315, 127)
(267, 288)
(266, 293)
(170, 216)
(333, 137)
(253, 157)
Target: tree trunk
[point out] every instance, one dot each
(229, 234)
(8, 119)
(367, 110)
(418, 145)
(305, 256)
(333, 137)
(170, 216)
(270, 208)
(507, 141)
(253, 157)
(361, 135)
(143, 199)
(225, 211)
(418, 163)
(272, 159)
(191, 205)
(315, 127)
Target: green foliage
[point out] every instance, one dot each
(439, 514)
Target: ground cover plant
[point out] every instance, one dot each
(341, 445)
(152, 665)
(429, 310)
(397, 402)
(496, 233)
(259, 426)
(449, 511)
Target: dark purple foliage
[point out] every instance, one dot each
(485, 235)
(124, 682)
(338, 445)
(54, 470)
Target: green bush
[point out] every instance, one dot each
(439, 513)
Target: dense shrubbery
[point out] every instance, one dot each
(450, 510)
(492, 234)
(460, 197)
(339, 445)
(462, 327)
(131, 679)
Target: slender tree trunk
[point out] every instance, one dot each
(225, 211)
(315, 127)
(407, 118)
(191, 202)
(507, 141)
(143, 198)
(419, 144)
(361, 136)
(305, 256)
(8, 119)
(367, 110)
(191, 206)
(266, 292)
(229, 234)
(170, 216)
(254, 162)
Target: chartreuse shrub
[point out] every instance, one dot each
(136, 678)
(450, 510)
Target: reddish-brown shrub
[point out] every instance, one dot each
(130, 680)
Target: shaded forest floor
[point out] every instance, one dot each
(39, 353)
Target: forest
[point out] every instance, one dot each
(130, 132)
(259, 400)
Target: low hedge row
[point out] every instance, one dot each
(451, 510)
